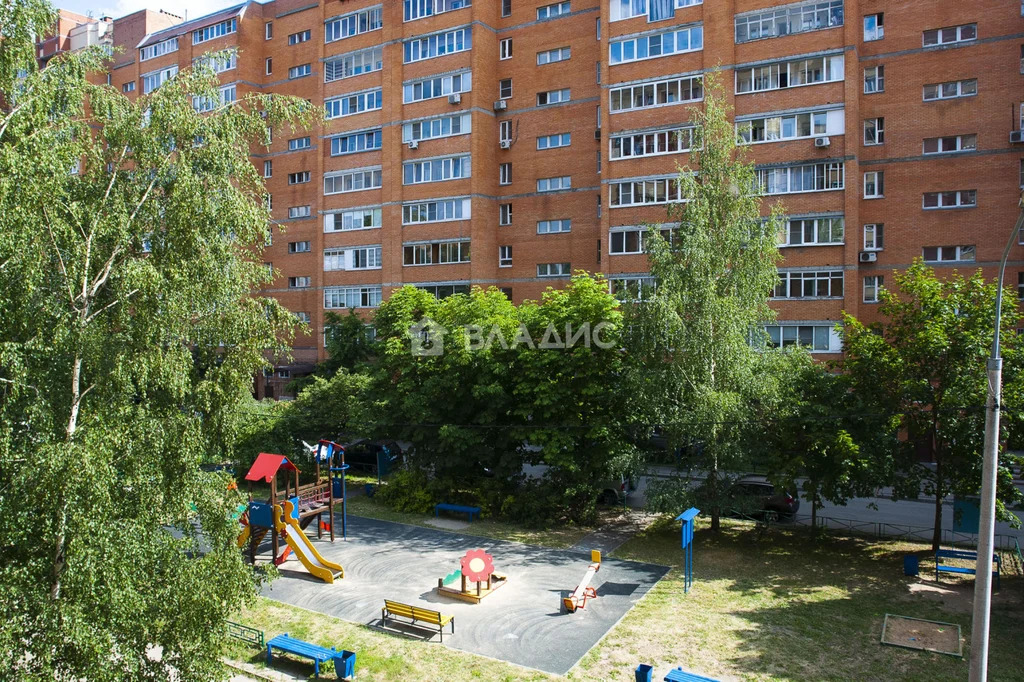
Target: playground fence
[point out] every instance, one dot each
(880, 530)
(246, 634)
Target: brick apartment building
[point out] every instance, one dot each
(510, 142)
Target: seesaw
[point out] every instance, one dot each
(583, 592)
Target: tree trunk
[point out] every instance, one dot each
(60, 543)
(716, 506)
(814, 511)
(939, 494)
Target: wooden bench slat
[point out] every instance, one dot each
(417, 614)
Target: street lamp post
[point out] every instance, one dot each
(987, 523)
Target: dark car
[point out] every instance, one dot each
(363, 454)
(751, 494)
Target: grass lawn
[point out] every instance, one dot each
(782, 607)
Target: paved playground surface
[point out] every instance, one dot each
(522, 622)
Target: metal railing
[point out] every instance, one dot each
(246, 634)
(881, 530)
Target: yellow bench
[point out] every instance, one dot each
(416, 615)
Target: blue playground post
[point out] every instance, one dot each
(687, 518)
(344, 498)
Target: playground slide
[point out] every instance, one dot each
(303, 548)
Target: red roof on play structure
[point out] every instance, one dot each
(267, 465)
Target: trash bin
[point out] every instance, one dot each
(644, 672)
(345, 665)
(369, 489)
(910, 565)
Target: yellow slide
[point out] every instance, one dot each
(303, 548)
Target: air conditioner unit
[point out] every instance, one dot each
(597, 134)
(822, 142)
(868, 256)
(505, 144)
(414, 144)
(500, 105)
(1016, 136)
(455, 98)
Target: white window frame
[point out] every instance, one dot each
(299, 247)
(353, 180)
(872, 286)
(874, 236)
(875, 182)
(357, 142)
(437, 45)
(878, 79)
(504, 214)
(442, 169)
(963, 198)
(353, 64)
(645, 192)
(505, 256)
(505, 173)
(268, 169)
(447, 210)
(554, 141)
(559, 183)
(654, 94)
(505, 49)
(437, 127)
(789, 335)
(352, 219)
(559, 226)
(300, 282)
(662, 142)
(958, 254)
(678, 40)
(553, 56)
(783, 127)
(797, 73)
(158, 49)
(298, 143)
(353, 103)
(554, 269)
(160, 76)
(420, 9)
(223, 28)
(299, 177)
(353, 23)
(874, 131)
(784, 20)
(826, 176)
(968, 30)
(439, 86)
(958, 144)
(300, 37)
(295, 212)
(554, 10)
(833, 279)
(874, 26)
(365, 296)
(967, 87)
(300, 71)
(812, 229)
(549, 98)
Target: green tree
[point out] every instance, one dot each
(128, 250)
(691, 339)
(924, 365)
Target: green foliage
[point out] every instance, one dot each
(408, 490)
(696, 372)
(924, 367)
(129, 337)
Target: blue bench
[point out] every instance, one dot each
(470, 511)
(680, 675)
(344, 661)
(966, 556)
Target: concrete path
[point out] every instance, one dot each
(613, 535)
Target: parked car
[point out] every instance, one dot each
(362, 453)
(615, 491)
(756, 493)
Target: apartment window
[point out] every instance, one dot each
(632, 288)
(553, 141)
(505, 88)
(950, 34)
(653, 143)
(298, 143)
(338, 182)
(809, 284)
(158, 49)
(505, 214)
(790, 126)
(654, 10)
(789, 74)
(353, 64)
(438, 86)
(352, 24)
(782, 21)
(872, 287)
(1020, 285)
(811, 337)
(554, 226)
(812, 231)
(436, 170)
(553, 11)
(353, 143)
(352, 297)
(676, 41)
(353, 219)
(336, 107)
(437, 211)
(504, 256)
(269, 202)
(554, 269)
(505, 174)
(268, 30)
(505, 131)
(949, 144)
(874, 79)
(153, 80)
(284, 374)
(438, 45)
(554, 184)
(951, 89)
(417, 9)
(436, 253)
(943, 254)
(874, 131)
(442, 126)
(303, 317)
(215, 31)
(874, 237)
(506, 8)
(810, 177)
(553, 97)
(299, 212)
(227, 95)
(874, 185)
(505, 48)
(298, 247)
(300, 37)
(128, 87)
(874, 27)
(298, 178)
(299, 71)
(559, 54)
(353, 258)
(645, 192)
(657, 93)
(268, 169)
(268, 65)
(299, 282)
(964, 198)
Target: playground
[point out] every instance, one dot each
(524, 622)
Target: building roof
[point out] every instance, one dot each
(266, 467)
(189, 26)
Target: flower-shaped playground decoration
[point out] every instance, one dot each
(477, 565)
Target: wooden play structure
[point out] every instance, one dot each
(476, 566)
(583, 592)
(287, 516)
